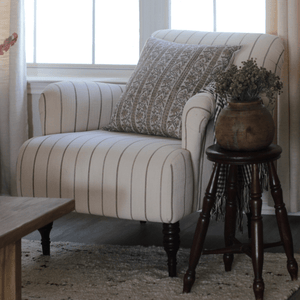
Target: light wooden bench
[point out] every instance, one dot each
(20, 216)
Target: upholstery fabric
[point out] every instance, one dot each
(77, 106)
(167, 75)
(72, 113)
(128, 176)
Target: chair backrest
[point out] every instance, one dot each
(267, 49)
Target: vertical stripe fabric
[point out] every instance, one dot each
(125, 175)
(129, 176)
(74, 106)
(266, 48)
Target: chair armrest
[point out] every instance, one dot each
(72, 106)
(196, 114)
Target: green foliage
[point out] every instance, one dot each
(247, 82)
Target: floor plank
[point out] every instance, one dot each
(90, 229)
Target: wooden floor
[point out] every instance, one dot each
(89, 229)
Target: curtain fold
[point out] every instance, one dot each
(13, 93)
(282, 19)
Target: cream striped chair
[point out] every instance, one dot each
(126, 175)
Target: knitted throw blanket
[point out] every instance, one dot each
(244, 175)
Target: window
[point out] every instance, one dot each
(192, 15)
(82, 31)
(103, 38)
(219, 15)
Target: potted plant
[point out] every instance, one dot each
(245, 124)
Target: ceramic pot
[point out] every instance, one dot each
(246, 126)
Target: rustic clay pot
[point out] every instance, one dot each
(246, 126)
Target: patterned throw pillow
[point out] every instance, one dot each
(166, 76)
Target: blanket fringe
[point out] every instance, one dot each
(244, 194)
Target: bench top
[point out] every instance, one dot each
(20, 216)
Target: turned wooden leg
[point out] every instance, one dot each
(257, 234)
(282, 221)
(230, 217)
(45, 234)
(171, 243)
(201, 229)
(249, 217)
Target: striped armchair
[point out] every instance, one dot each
(129, 175)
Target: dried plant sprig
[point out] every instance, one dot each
(247, 82)
(8, 43)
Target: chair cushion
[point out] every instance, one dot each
(166, 76)
(123, 175)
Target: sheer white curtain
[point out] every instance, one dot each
(13, 94)
(283, 20)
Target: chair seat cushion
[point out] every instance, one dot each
(123, 175)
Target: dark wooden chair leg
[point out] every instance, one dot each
(282, 221)
(230, 216)
(45, 234)
(257, 247)
(171, 242)
(201, 230)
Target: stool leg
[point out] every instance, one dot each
(257, 234)
(201, 230)
(249, 216)
(230, 217)
(282, 221)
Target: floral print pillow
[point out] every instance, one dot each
(166, 76)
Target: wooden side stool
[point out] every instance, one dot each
(255, 249)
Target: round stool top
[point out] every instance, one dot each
(219, 155)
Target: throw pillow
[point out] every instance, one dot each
(166, 76)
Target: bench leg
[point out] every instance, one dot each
(10, 275)
(45, 234)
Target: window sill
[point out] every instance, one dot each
(40, 75)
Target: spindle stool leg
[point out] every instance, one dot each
(282, 221)
(230, 216)
(257, 247)
(249, 216)
(201, 229)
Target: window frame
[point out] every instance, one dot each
(154, 15)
